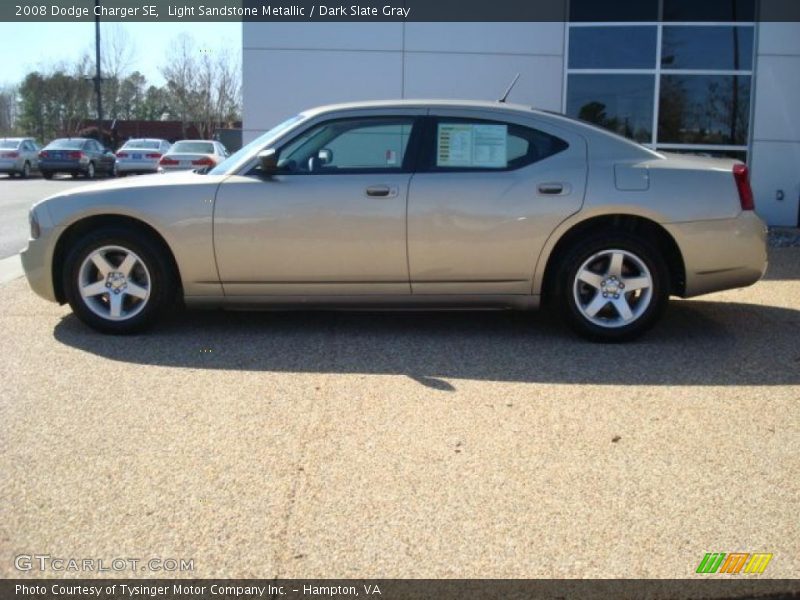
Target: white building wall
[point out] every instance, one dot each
(291, 66)
(775, 155)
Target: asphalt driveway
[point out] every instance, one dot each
(406, 445)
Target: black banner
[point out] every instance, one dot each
(393, 10)
(723, 588)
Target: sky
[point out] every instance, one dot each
(34, 45)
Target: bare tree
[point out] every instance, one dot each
(8, 110)
(118, 51)
(180, 72)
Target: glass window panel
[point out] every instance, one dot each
(621, 103)
(704, 109)
(707, 48)
(709, 10)
(619, 10)
(612, 47)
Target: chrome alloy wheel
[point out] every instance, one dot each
(114, 283)
(613, 288)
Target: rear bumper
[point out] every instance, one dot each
(10, 166)
(66, 166)
(721, 254)
(138, 166)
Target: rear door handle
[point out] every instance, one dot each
(381, 191)
(553, 189)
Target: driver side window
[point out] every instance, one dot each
(348, 146)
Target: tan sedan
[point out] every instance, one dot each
(403, 204)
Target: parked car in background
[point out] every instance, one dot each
(140, 156)
(193, 154)
(409, 204)
(18, 156)
(76, 156)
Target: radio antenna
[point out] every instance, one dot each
(508, 91)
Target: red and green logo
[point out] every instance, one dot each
(734, 563)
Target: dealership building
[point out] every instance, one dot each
(681, 76)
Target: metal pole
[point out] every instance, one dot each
(97, 78)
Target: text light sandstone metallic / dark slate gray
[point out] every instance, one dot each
(408, 204)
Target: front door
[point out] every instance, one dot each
(332, 222)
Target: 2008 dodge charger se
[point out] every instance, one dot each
(408, 204)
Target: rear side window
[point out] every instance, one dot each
(478, 145)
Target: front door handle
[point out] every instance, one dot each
(381, 191)
(553, 189)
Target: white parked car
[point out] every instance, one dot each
(193, 154)
(18, 156)
(140, 156)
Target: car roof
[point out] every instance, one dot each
(145, 140)
(16, 139)
(422, 103)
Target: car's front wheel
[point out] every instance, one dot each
(118, 281)
(612, 287)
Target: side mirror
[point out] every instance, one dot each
(268, 162)
(325, 156)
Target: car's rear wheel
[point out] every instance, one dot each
(90, 172)
(612, 287)
(119, 281)
(26, 170)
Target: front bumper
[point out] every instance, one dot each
(721, 254)
(37, 264)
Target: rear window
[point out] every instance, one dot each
(8, 144)
(193, 148)
(66, 144)
(141, 145)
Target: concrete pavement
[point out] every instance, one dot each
(406, 445)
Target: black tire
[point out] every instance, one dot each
(612, 331)
(47, 174)
(26, 170)
(163, 281)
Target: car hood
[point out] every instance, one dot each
(158, 180)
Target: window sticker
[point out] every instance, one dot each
(471, 145)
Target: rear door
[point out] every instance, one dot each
(487, 196)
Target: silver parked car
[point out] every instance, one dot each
(140, 156)
(19, 156)
(193, 154)
(408, 204)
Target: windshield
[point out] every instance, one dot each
(259, 143)
(8, 144)
(65, 144)
(144, 144)
(192, 147)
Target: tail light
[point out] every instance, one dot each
(122, 155)
(11, 155)
(203, 162)
(168, 162)
(74, 155)
(43, 154)
(742, 178)
(154, 155)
